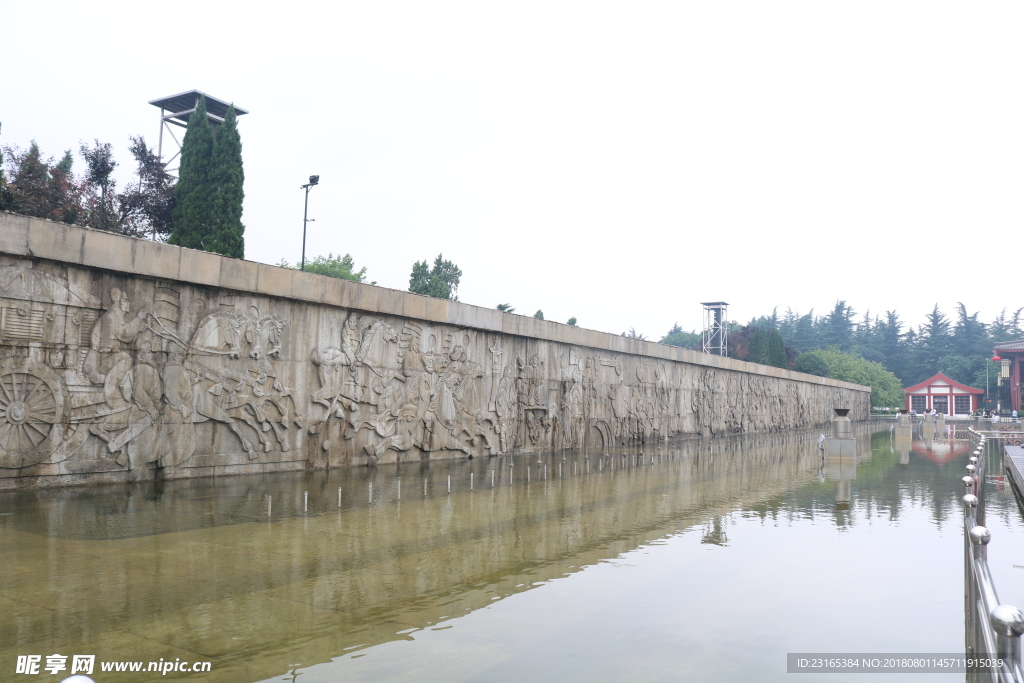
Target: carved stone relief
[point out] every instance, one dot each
(136, 377)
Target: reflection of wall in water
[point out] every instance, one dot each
(411, 562)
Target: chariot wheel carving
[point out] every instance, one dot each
(31, 413)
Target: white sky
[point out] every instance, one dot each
(620, 162)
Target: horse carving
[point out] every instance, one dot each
(230, 352)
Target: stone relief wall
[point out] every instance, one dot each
(105, 375)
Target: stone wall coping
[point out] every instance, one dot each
(27, 237)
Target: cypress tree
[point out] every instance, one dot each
(192, 194)
(226, 234)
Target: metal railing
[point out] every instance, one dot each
(992, 630)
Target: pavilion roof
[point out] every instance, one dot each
(1010, 346)
(940, 377)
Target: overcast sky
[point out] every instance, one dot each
(617, 162)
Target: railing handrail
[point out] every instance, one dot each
(991, 629)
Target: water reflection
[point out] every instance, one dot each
(199, 569)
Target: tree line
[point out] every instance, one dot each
(33, 184)
(201, 210)
(958, 345)
(880, 350)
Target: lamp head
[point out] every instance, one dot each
(314, 179)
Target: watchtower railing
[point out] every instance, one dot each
(992, 630)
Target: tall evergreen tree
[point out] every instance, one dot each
(891, 345)
(100, 164)
(226, 178)
(837, 327)
(933, 344)
(758, 347)
(970, 338)
(419, 279)
(805, 333)
(1005, 328)
(193, 195)
(777, 350)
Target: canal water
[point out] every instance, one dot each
(703, 560)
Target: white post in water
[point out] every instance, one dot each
(527, 474)
(470, 481)
(339, 497)
(270, 500)
(492, 479)
(305, 501)
(449, 483)
(399, 488)
(371, 491)
(424, 488)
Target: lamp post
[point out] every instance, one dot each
(995, 359)
(313, 180)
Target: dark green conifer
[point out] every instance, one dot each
(758, 347)
(193, 194)
(777, 350)
(226, 178)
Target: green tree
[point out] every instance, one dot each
(837, 327)
(149, 201)
(970, 336)
(65, 165)
(341, 267)
(933, 344)
(193, 195)
(633, 334)
(29, 178)
(539, 315)
(958, 368)
(441, 281)
(758, 352)
(571, 322)
(777, 356)
(507, 308)
(677, 337)
(886, 389)
(1005, 328)
(812, 363)
(99, 165)
(226, 234)
(419, 279)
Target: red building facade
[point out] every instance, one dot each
(1013, 352)
(946, 396)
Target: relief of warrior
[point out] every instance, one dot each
(180, 432)
(112, 334)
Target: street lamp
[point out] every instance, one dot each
(995, 359)
(313, 180)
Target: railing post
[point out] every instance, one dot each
(970, 594)
(1008, 623)
(980, 536)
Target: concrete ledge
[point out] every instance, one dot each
(22, 236)
(156, 259)
(14, 234)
